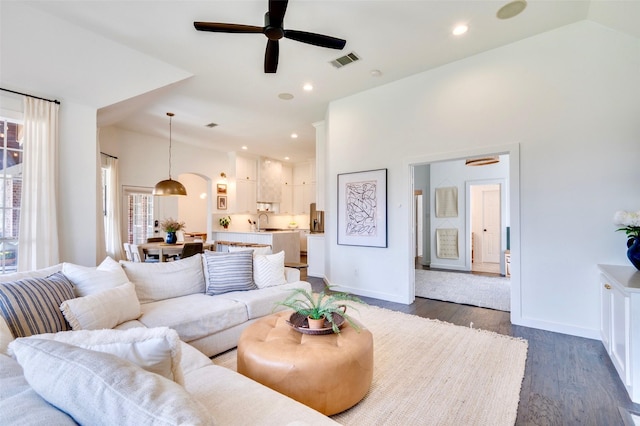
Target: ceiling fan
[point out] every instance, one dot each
(274, 31)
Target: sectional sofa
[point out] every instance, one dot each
(129, 343)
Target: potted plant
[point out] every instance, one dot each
(171, 226)
(321, 306)
(225, 221)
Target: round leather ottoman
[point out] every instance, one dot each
(328, 373)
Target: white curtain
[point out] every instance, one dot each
(112, 235)
(38, 238)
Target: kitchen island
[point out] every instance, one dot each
(287, 240)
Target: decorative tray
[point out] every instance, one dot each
(299, 323)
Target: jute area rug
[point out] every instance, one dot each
(428, 372)
(469, 289)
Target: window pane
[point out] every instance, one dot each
(11, 159)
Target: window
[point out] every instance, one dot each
(10, 193)
(140, 222)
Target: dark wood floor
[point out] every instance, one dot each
(568, 380)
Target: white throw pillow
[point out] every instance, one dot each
(166, 280)
(157, 350)
(268, 270)
(102, 310)
(101, 389)
(89, 280)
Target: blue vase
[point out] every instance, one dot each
(171, 238)
(633, 252)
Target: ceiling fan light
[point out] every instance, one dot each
(511, 9)
(482, 161)
(169, 187)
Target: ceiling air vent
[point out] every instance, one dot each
(211, 125)
(345, 60)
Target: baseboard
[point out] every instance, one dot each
(366, 293)
(571, 330)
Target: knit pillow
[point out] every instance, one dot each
(31, 306)
(268, 270)
(227, 272)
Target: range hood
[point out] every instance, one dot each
(269, 181)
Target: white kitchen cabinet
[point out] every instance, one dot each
(246, 168)
(315, 255)
(303, 196)
(620, 323)
(246, 185)
(286, 202)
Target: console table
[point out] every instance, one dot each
(620, 322)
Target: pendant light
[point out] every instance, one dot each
(169, 186)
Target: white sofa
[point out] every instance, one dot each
(166, 300)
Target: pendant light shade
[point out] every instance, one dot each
(169, 186)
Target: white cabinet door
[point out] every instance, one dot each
(246, 168)
(315, 255)
(246, 196)
(606, 298)
(286, 203)
(619, 333)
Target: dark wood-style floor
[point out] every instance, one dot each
(568, 380)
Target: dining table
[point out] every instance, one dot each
(165, 251)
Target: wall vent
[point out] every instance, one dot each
(345, 60)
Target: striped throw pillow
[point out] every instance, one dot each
(32, 305)
(228, 271)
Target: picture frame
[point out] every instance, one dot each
(221, 188)
(362, 208)
(222, 202)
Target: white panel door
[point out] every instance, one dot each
(491, 226)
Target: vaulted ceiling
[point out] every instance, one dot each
(218, 77)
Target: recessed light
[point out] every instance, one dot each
(286, 158)
(511, 9)
(294, 136)
(285, 96)
(244, 147)
(308, 87)
(375, 73)
(460, 29)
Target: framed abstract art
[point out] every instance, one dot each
(362, 208)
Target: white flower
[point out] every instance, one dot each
(625, 218)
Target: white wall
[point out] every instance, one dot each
(570, 99)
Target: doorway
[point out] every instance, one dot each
(486, 228)
(497, 212)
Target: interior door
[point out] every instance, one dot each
(491, 226)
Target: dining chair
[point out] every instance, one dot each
(190, 249)
(139, 255)
(127, 251)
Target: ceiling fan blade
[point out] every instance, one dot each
(219, 27)
(271, 56)
(277, 9)
(315, 39)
